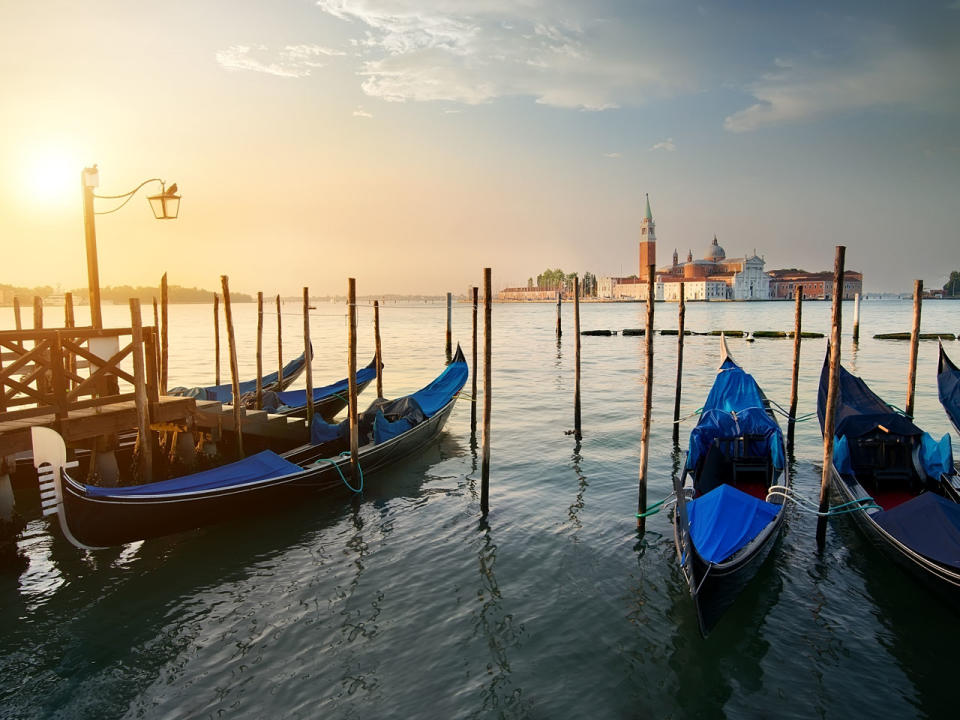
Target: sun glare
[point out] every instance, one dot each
(50, 176)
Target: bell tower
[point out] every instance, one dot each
(648, 242)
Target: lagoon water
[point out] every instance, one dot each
(403, 604)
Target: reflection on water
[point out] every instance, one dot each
(395, 604)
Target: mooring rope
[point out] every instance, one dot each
(698, 411)
(787, 493)
(345, 453)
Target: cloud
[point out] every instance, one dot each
(612, 155)
(560, 53)
(361, 113)
(816, 87)
(293, 61)
(667, 145)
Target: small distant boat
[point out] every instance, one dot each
(948, 388)
(899, 483)
(92, 516)
(724, 526)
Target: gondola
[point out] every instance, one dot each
(724, 525)
(92, 517)
(948, 388)
(224, 393)
(897, 482)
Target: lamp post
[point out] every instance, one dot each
(165, 206)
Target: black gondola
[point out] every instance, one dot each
(725, 526)
(948, 387)
(224, 393)
(93, 516)
(897, 482)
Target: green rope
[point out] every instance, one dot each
(655, 508)
(345, 453)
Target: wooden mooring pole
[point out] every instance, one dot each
(487, 389)
(141, 401)
(352, 380)
(37, 312)
(559, 326)
(856, 318)
(279, 347)
(647, 403)
(307, 354)
(473, 367)
(69, 321)
(576, 344)
(449, 327)
(795, 378)
(234, 371)
(829, 420)
(165, 333)
(156, 348)
(914, 342)
(259, 351)
(17, 321)
(681, 318)
(376, 344)
(216, 339)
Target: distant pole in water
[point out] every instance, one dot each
(647, 402)
(378, 360)
(856, 318)
(234, 372)
(259, 351)
(681, 317)
(216, 339)
(829, 420)
(352, 379)
(140, 392)
(576, 341)
(473, 367)
(279, 347)
(559, 302)
(165, 334)
(37, 312)
(18, 323)
(487, 388)
(797, 324)
(449, 327)
(68, 320)
(307, 355)
(914, 341)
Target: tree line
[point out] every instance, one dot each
(559, 280)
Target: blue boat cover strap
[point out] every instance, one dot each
(928, 524)
(735, 408)
(262, 466)
(725, 520)
(298, 398)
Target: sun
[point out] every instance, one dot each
(51, 176)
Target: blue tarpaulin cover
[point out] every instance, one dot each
(438, 393)
(298, 398)
(384, 430)
(841, 455)
(936, 457)
(735, 391)
(262, 466)
(948, 388)
(928, 524)
(725, 520)
(321, 431)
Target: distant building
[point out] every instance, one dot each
(715, 277)
(527, 294)
(648, 242)
(816, 285)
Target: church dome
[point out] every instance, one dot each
(715, 252)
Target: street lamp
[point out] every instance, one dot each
(165, 206)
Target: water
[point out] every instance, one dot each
(404, 604)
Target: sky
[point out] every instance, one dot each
(410, 143)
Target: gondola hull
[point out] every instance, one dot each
(942, 580)
(715, 586)
(100, 522)
(327, 407)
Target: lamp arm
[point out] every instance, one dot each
(127, 195)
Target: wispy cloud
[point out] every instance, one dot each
(612, 155)
(560, 54)
(361, 113)
(293, 61)
(886, 76)
(667, 145)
